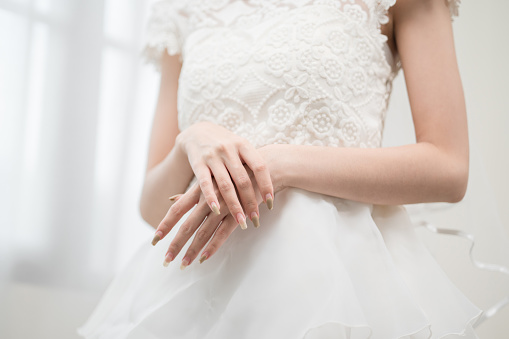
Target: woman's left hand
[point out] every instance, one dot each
(216, 228)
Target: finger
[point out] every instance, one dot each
(203, 235)
(244, 187)
(262, 175)
(204, 179)
(222, 233)
(185, 232)
(228, 192)
(176, 212)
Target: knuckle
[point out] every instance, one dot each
(208, 155)
(224, 185)
(259, 167)
(176, 209)
(235, 208)
(251, 205)
(204, 182)
(186, 229)
(222, 148)
(241, 143)
(243, 182)
(201, 236)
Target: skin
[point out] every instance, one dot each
(433, 169)
(214, 151)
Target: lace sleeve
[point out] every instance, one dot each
(453, 7)
(164, 32)
(384, 5)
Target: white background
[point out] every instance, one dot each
(76, 105)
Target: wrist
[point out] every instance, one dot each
(276, 158)
(178, 154)
(285, 167)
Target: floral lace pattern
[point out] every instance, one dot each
(310, 72)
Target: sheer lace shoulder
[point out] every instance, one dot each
(453, 7)
(165, 31)
(384, 5)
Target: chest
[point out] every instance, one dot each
(303, 74)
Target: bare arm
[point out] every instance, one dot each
(433, 169)
(168, 171)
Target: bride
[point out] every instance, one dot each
(271, 113)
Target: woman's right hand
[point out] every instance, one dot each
(214, 151)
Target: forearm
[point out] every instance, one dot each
(397, 175)
(171, 176)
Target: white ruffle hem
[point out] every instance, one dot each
(318, 267)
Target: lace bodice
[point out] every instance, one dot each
(316, 72)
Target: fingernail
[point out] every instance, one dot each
(167, 259)
(157, 237)
(255, 219)
(185, 263)
(269, 201)
(204, 257)
(241, 220)
(214, 208)
(175, 197)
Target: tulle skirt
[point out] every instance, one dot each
(318, 267)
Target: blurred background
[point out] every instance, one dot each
(76, 107)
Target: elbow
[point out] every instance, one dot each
(457, 183)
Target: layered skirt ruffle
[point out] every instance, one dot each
(318, 267)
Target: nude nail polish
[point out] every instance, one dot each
(269, 201)
(241, 220)
(185, 263)
(175, 197)
(255, 219)
(204, 257)
(157, 237)
(214, 208)
(167, 259)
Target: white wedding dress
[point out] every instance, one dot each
(315, 72)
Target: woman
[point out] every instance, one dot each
(283, 102)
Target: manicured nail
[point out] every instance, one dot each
(204, 257)
(241, 220)
(269, 201)
(255, 219)
(214, 208)
(185, 263)
(157, 237)
(175, 197)
(167, 259)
